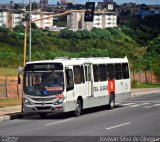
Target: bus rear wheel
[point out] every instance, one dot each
(78, 109)
(112, 101)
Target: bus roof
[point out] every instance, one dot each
(79, 61)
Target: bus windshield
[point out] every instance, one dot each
(43, 83)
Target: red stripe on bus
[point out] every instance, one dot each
(111, 86)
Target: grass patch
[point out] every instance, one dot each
(147, 86)
(8, 71)
(10, 102)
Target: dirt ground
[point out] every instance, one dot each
(9, 87)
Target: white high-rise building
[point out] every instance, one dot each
(3, 18)
(16, 19)
(12, 18)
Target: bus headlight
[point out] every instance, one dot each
(27, 102)
(59, 101)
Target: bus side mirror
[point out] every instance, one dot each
(19, 80)
(20, 70)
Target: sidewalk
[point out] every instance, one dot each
(14, 112)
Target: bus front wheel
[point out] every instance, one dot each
(78, 109)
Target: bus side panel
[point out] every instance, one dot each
(80, 90)
(100, 89)
(100, 95)
(69, 105)
(119, 87)
(126, 91)
(72, 95)
(95, 101)
(127, 85)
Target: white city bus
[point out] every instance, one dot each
(74, 84)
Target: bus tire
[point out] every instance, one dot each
(78, 109)
(43, 115)
(111, 101)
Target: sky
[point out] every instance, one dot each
(152, 2)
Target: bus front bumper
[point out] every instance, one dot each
(43, 108)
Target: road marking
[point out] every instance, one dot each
(128, 104)
(152, 106)
(157, 140)
(59, 122)
(156, 105)
(148, 106)
(139, 105)
(139, 101)
(118, 125)
(134, 106)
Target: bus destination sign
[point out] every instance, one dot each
(43, 66)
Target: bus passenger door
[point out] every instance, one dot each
(126, 78)
(119, 83)
(88, 77)
(69, 85)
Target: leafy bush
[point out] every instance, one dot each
(134, 83)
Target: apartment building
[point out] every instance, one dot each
(3, 17)
(75, 20)
(44, 22)
(105, 19)
(11, 18)
(16, 18)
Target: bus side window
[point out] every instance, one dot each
(69, 78)
(125, 71)
(95, 73)
(110, 71)
(118, 71)
(77, 74)
(102, 72)
(82, 75)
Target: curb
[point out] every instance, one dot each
(11, 117)
(15, 115)
(5, 118)
(144, 93)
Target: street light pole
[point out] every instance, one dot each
(30, 34)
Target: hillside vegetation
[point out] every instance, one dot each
(138, 43)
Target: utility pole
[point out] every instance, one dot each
(30, 34)
(28, 24)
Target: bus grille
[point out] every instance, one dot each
(42, 99)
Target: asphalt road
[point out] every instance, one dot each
(138, 118)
